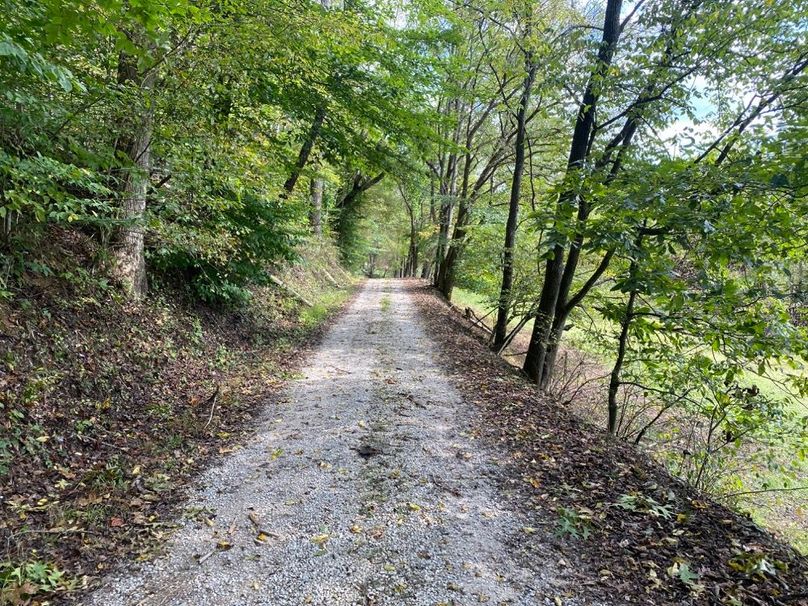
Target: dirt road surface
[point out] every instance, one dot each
(363, 486)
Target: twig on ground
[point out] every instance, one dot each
(212, 400)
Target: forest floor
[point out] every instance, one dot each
(408, 465)
(640, 533)
(109, 409)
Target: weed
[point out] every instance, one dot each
(22, 581)
(111, 475)
(84, 426)
(160, 410)
(642, 504)
(574, 523)
(197, 335)
(159, 482)
(222, 358)
(95, 515)
(312, 316)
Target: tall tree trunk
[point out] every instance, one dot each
(446, 281)
(501, 327)
(446, 270)
(446, 211)
(622, 343)
(447, 188)
(130, 262)
(305, 151)
(540, 340)
(316, 210)
(412, 254)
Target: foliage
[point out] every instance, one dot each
(233, 98)
(664, 202)
(18, 583)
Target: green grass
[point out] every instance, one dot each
(465, 298)
(326, 302)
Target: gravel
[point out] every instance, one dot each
(362, 486)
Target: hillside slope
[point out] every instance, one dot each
(109, 407)
(639, 532)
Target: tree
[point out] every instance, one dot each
(682, 40)
(579, 149)
(531, 66)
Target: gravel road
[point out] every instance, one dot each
(363, 486)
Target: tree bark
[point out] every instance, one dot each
(503, 308)
(316, 210)
(446, 211)
(622, 343)
(540, 340)
(447, 184)
(305, 151)
(448, 268)
(130, 262)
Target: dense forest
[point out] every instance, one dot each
(614, 193)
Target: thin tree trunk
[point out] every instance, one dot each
(446, 270)
(622, 343)
(316, 210)
(130, 262)
(305, 151)
(447, 191)
(449, 266)
(503, 309)
(412, 255)
(446, 211)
